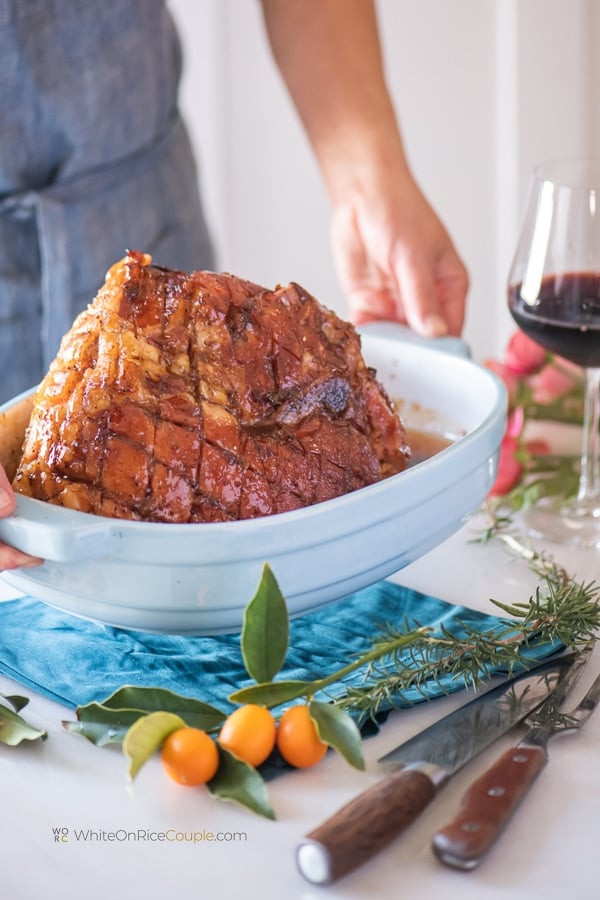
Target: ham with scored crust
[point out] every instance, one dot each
(201, 398)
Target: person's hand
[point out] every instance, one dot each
(394, 257)
(396, 261)
(10, 557)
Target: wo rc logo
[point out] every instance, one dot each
(61, 835)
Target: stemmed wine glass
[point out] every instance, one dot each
(554, 297)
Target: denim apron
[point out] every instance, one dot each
(94, 160)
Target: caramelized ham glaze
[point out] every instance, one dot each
(202, 397)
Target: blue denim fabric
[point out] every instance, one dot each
(94, 160)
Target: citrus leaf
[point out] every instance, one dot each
(240, 782)
(148, 699)
(338, 729)
(265, 629)
(16, 701)
(14, 728)
(108, 721)
(146, 735)
(103, 726)
(272, 693)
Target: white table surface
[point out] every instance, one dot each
(551, 847)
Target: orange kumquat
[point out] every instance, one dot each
(190, 756)
(298, 740)
(249, 733)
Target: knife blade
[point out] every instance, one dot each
(492, 799)
(420, 766)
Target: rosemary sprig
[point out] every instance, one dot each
(561, 611)
(411, 657)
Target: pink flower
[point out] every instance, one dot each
(553, 382)
(509, 468)
(515, 422)
(523, 356)
(527, 371)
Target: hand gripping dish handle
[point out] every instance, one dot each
(68, 536)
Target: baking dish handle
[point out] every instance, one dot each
(394, 331)
(67, 538)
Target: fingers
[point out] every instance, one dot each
(418, 296)
(367, 305)
(422, 309)
(10, 557)
(362, 280)
(433, 294)
(400, 271)
(452, 282)
(7, 498)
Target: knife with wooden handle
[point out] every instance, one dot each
(420, 766)
(492, 799)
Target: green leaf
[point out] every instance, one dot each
(265, 629)
(16, 701)
(103, 726)
(108, 721)
(238, 781)
(148, 699)
(14, 728)
(339, 730)
(272, 693)
(146, 735)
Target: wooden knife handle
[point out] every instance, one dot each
(487, 806)
(364, 826)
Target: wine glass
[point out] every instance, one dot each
(554, 297)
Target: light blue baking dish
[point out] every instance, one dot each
(197, 579)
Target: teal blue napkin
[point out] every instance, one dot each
(75, 661)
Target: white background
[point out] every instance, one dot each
(483, 90)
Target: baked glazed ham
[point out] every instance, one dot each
(205, 398)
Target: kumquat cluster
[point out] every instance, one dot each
(275, 723)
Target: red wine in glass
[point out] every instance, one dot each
(554, 297)
(564, 317)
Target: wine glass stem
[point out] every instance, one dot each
(589, 484)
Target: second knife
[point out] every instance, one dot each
(493, 797)
(420, 766)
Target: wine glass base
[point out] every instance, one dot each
(574, 525)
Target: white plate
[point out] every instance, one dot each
(197, 579)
